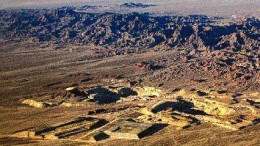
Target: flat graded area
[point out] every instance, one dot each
(60, 97)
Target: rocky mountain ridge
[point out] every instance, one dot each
(228, 51)
(143, 31)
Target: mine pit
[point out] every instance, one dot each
(179, 108)
(202, 93)
(124, 129)
(194, 109)
(212, 107)
(129, 73)
(69, 130)
(92, 129)
(61, 130)
(103, 95)
(178, 105)
(75, 97)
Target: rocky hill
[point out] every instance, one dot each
(136, 5)
(226, 50)
(143, 31)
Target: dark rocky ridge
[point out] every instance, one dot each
(136, 5)
(229, 52)
(64, 25)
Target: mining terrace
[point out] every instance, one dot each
(81, 78)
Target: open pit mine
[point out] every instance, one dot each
(79, 76)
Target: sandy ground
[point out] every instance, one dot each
(27, 71)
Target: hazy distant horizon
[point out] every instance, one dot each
(210, 7)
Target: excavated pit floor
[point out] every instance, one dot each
(135, 112)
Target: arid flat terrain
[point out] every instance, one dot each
(44, 74)
(69, 76)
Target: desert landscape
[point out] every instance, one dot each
(129, 73)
